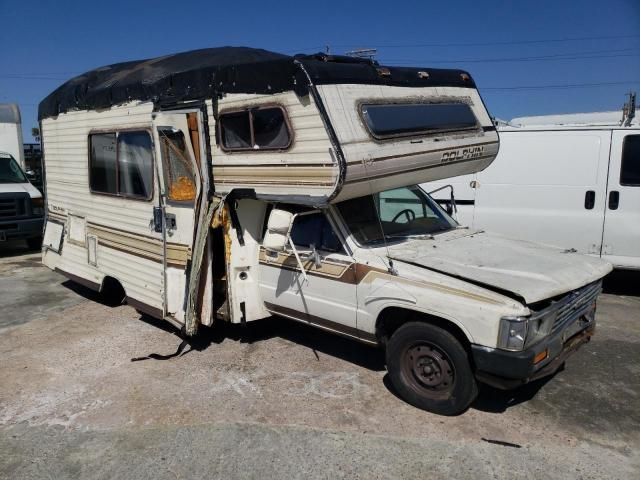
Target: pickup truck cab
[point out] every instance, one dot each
(21, 204)
(451, 306)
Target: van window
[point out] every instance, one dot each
(398, 120)
(178, 168)
(315, 229)
(630, 170)
(264, 128)
(121, 164)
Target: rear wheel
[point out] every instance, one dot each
(430, 369)
(34, 243)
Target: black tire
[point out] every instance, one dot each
(430, 369)
(34, 243)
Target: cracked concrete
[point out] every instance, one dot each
(278, 399)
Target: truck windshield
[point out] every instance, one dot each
(404, 213)
(10, 171)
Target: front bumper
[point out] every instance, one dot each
(22, 228)
(504, 369)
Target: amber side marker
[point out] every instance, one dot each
(541, 356)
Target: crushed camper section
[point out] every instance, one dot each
(139, 154)
(308, 129)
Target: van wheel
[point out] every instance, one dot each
(34, 243)
(430, 369)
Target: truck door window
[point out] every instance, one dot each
(10, 171)
(314, 229)
(630, 169)
(178, 168)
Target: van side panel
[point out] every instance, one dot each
(308, 169)
(538, 186)
(127, 247)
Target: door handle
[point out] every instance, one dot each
(157, 219)
(614, 200)
(589, 199)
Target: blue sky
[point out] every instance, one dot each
(499, 42)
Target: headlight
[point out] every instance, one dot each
(37, 206)
(513, 333)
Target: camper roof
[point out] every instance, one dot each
(200, 74)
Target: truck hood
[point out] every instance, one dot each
(531, 271)
(20, 188)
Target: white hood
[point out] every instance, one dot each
(532, 271)
(20, 188)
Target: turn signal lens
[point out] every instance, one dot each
(541, 356)
(37, 202)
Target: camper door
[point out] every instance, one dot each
(179, 150)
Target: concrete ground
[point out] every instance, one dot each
(279, 400)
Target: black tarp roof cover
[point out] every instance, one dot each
(200, 74)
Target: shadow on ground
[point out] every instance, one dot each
(14, 248)
(623, 282)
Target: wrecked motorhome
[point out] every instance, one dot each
(231, 184)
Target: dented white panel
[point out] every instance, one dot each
(378, 165)
(306, 169)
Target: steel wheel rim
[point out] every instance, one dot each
(428, 369)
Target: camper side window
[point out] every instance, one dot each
(409, 119)
(261, 128)
(121, 164)
(630, 170)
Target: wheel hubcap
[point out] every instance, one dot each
(428, 367)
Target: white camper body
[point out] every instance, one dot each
(11, 132)
(301, 202)
(571, 181)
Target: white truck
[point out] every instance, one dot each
(231, 184)
(21, 205)
(11, 132)
(572, 181)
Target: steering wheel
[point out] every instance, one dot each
(407, 212)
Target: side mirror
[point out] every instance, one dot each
(278, 230)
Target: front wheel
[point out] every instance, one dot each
(430, 369)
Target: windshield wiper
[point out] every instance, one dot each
(422, 236)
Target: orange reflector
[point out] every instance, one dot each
(541, 356)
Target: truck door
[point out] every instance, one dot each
(327, 296)
(179, 150)
(620, 243)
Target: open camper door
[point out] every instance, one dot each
(179, 150)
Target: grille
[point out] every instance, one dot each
(12, 207)
(572, 306)
(576, 304)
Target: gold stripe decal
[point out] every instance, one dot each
(140, 245)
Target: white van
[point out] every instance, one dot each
(231, 184)
(21, 205)
(572, 181)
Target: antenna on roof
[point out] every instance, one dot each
(629, 110)
(368, 53)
